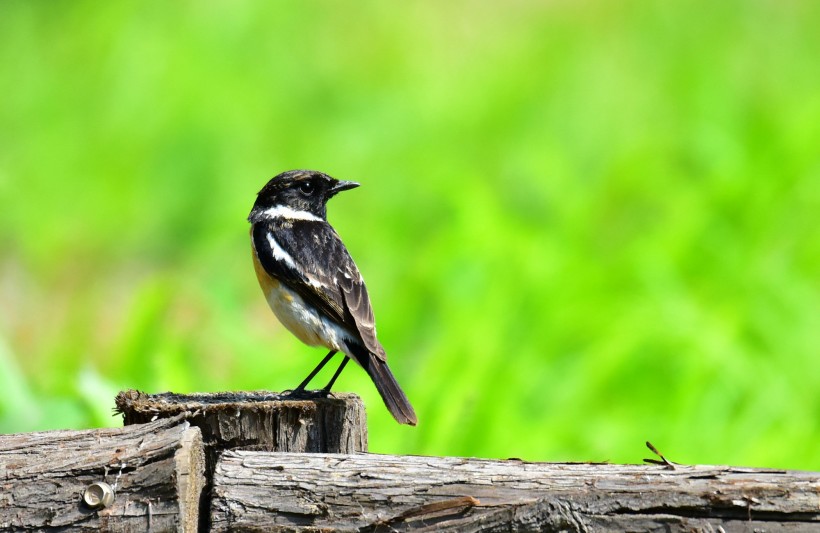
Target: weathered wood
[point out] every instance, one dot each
(257, 420)
(156, 470)
(256, 491)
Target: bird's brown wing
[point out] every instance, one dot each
(357, 304)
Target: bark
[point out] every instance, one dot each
(256, 491)
(257, 420)
(156, 471)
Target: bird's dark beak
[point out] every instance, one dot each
(342, 186)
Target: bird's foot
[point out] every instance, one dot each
(302, 394)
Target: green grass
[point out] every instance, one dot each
(583, 224)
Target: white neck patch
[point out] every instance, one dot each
(283, 211)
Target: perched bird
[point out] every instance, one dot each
(312, 285)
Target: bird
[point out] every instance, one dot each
(312, 284)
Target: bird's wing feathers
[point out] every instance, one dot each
(358, 306)
(328, 278)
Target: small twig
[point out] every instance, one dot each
(664, 461)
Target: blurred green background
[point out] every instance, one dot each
(583, 224)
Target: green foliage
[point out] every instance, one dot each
(583, 224)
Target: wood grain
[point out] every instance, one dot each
(258, 420)
(155, 468)
(330, 492)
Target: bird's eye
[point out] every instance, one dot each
(306, 188)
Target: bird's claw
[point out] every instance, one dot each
(302, 394)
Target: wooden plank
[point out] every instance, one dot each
(155, 469)
(256, 491)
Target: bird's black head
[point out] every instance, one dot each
(297, 194)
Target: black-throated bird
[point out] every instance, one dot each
(312, 285)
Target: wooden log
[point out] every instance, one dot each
(156, 472)
(256, 491)
(258, 420)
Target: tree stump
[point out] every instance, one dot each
(255, 491)
(154, 471)
(257, 420)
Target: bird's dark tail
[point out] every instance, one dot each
(394, 398)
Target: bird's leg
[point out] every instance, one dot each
(316, 370)
(326, 390)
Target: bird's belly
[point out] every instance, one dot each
(301, 319)
(297, 317)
